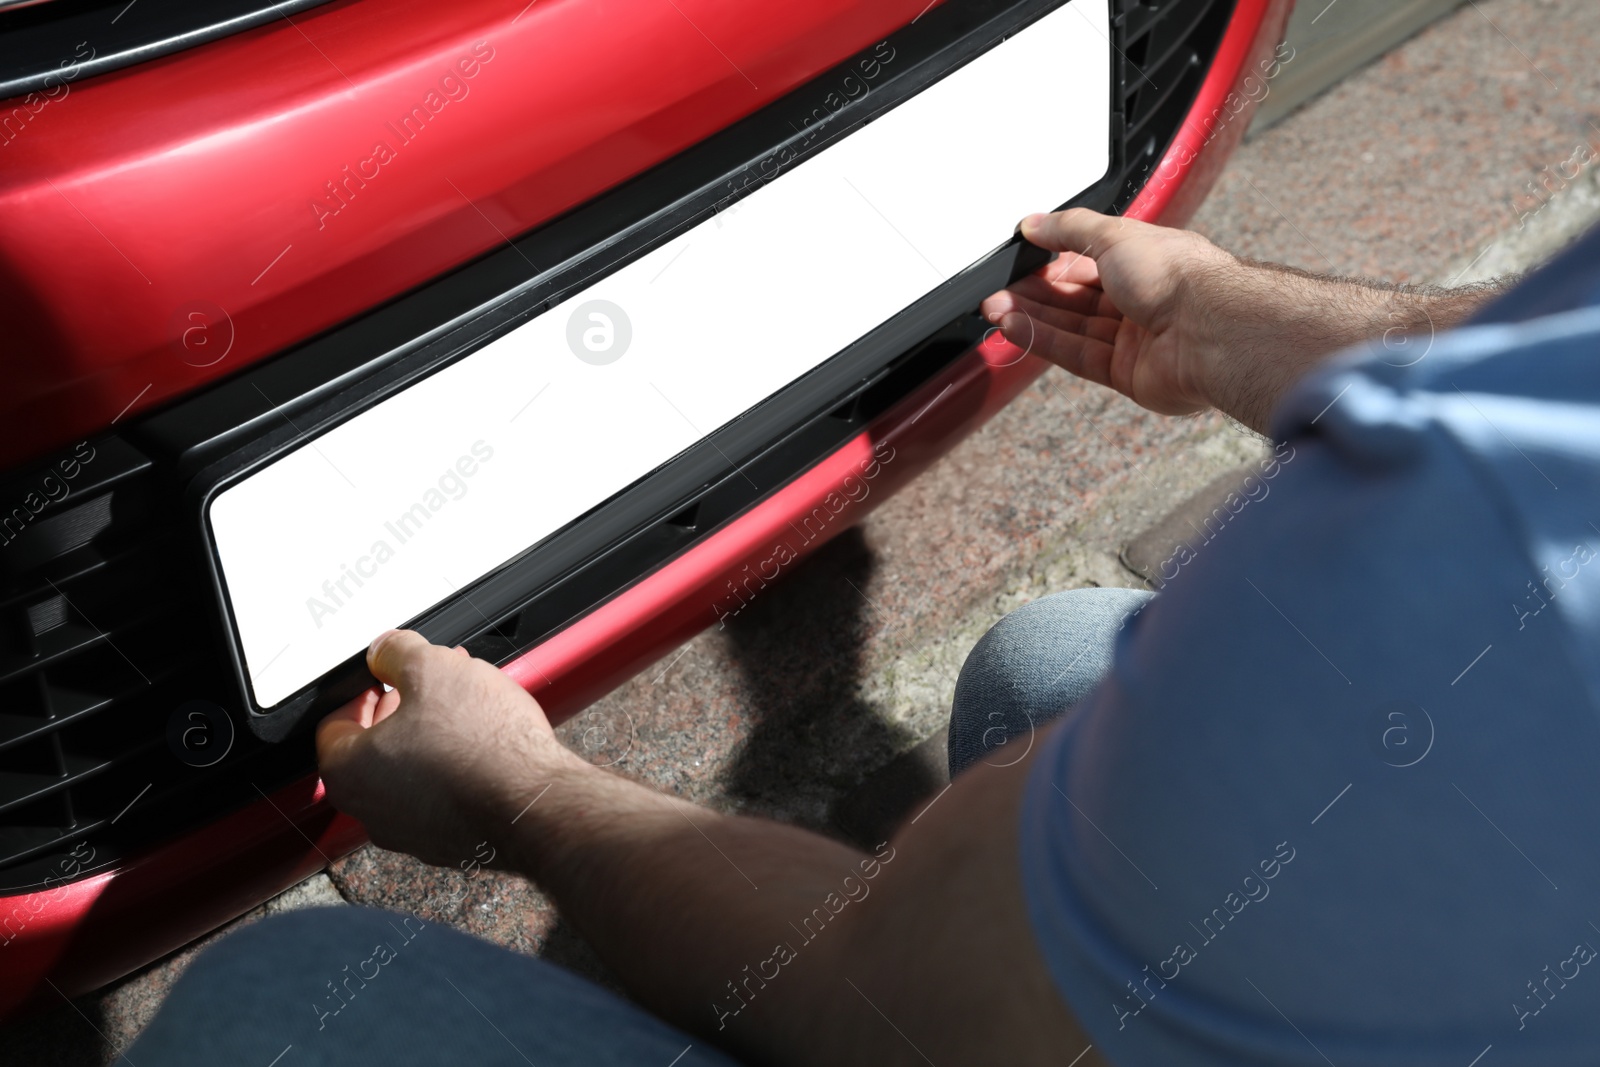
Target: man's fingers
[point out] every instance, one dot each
(1087, 357)
(1070, 267)
(343, 727)
(388, 703)
(1094, 327)
(1079, 299)
(1084, 299)
(359, 709)
(1079, 230)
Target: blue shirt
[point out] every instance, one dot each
(1338, 800)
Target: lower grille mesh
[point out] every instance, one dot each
(1167, 49)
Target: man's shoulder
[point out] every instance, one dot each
(1505, 412)
(1377, 667)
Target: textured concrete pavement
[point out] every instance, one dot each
(1449, 158)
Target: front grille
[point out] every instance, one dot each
(99, 647)
(1166, 49)
(75, 709)
(108, 633)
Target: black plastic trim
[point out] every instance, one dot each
(44, 46)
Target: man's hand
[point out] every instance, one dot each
(443, 760)
(1126, 317)
(1177, 324)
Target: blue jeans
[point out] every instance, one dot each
(362, 986)
(352, 986)
(1032, 667)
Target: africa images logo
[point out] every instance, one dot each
(451, 485)
(453, 86)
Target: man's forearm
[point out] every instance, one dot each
(685, 904)
(1280, 323)
(784, 947)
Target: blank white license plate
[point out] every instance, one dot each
(386, 515)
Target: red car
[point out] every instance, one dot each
(557, 329)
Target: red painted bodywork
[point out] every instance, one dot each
(93, 930)
(239, 181)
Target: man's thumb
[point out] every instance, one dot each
(395, 655)
(1078, 229)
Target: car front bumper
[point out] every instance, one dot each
(80, 930)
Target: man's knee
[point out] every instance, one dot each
(1034, 665)
(295, 971)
